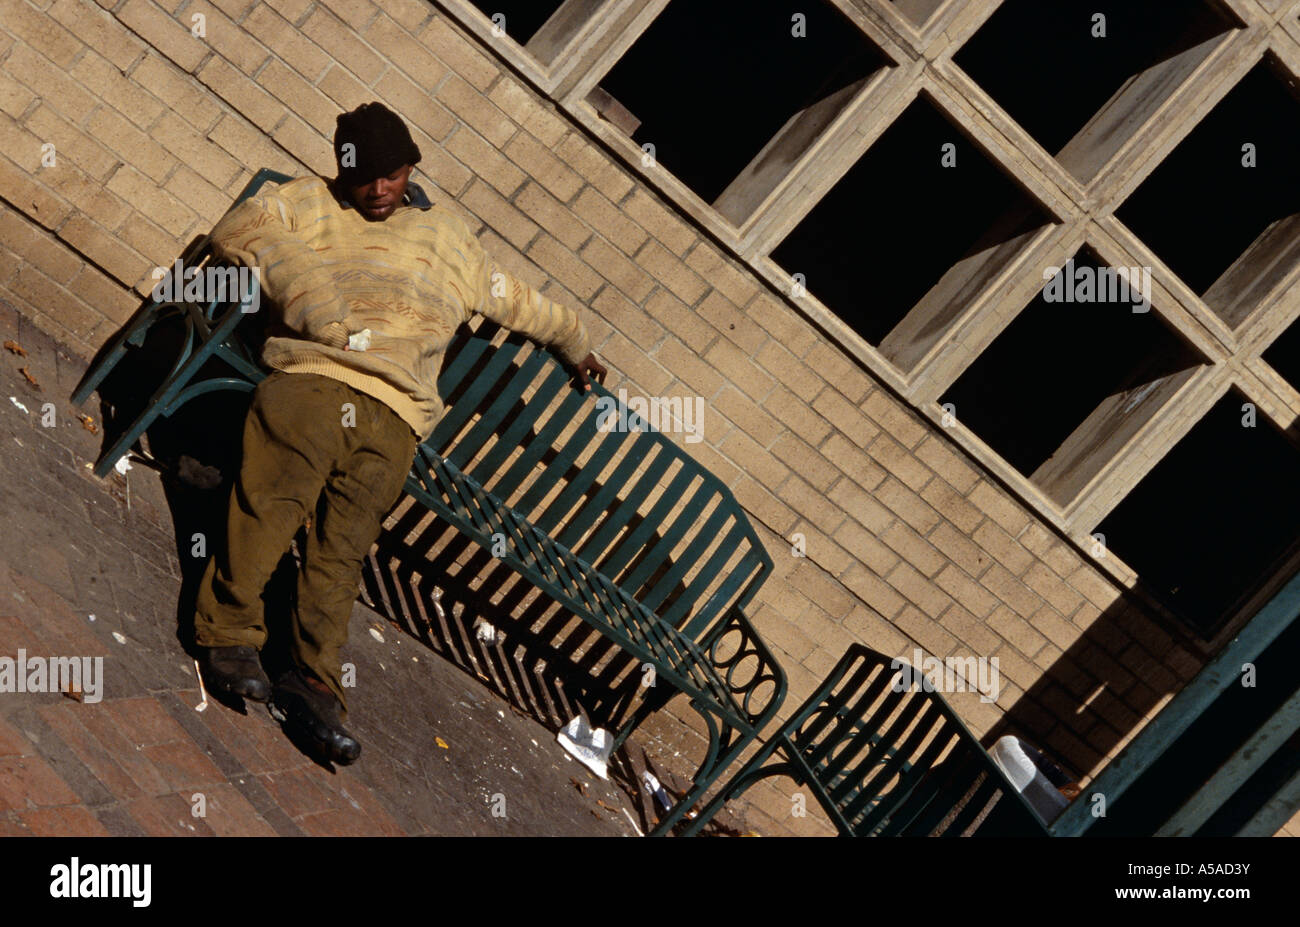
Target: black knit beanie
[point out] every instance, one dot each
(381, 144)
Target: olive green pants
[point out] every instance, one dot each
(313, 447)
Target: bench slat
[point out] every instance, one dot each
(634, 541)
(477, 391)
(755, 563)
(622, 509)
(868, 748)
(907, 810)
(599, 503)
(469, 357)
(896, 763)
(512, 438)
(506, 485)
(655, 595)
(477, 436)
(686, 599)
(564, 458)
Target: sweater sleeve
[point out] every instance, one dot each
(262, 233)
(513, 304)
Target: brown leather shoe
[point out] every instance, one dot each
(309, 705)
(235, 671)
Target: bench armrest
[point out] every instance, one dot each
(747, 668)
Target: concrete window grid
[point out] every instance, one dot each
(919, 39)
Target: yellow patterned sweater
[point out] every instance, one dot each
(411, 279)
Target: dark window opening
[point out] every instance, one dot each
(901, 245)
(1283, 355)
(730, 97)
(1230, 231)
(1078, 94)
(1208, 525)
(522, 17)
(1061, 390)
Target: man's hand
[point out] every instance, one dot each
(587, 370)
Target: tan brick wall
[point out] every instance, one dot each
(908, 542)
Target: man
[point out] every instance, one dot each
(369, 283)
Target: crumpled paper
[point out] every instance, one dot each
(359, 341)
(589, 747)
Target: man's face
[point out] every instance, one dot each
(378, 199)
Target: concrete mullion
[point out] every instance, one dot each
(1164, 431)
(1181, 113)
(829, 159)
(949, 27)
(1005, 141)
(1151, 442)
(844, 337)
(1290, 24)
(879, 27)
(992, 314)
(1269, 392)
(1254, 12)
(617, 29)
(1182, 306)
(1284, 42)
(1278, 314)
(1275, 9)
(1182, 309)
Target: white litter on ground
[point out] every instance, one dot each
(590, 747)
(655, 788)
(91, 616)
(486, 632)
(359, 341)
(203, 705)
(632, 820)
(14, 400)
(122, 465)
(119, 637)
(377, 634)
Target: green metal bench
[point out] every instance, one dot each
(621, 528)
(883, 758)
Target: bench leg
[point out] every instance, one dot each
(750, 773)
(195, 353)
(721, 753)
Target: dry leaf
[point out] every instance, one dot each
(88, 423)
(580, 786)
(74, 694)
(441, 743)
(605, 806)
(30, 379)
(16, 348)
